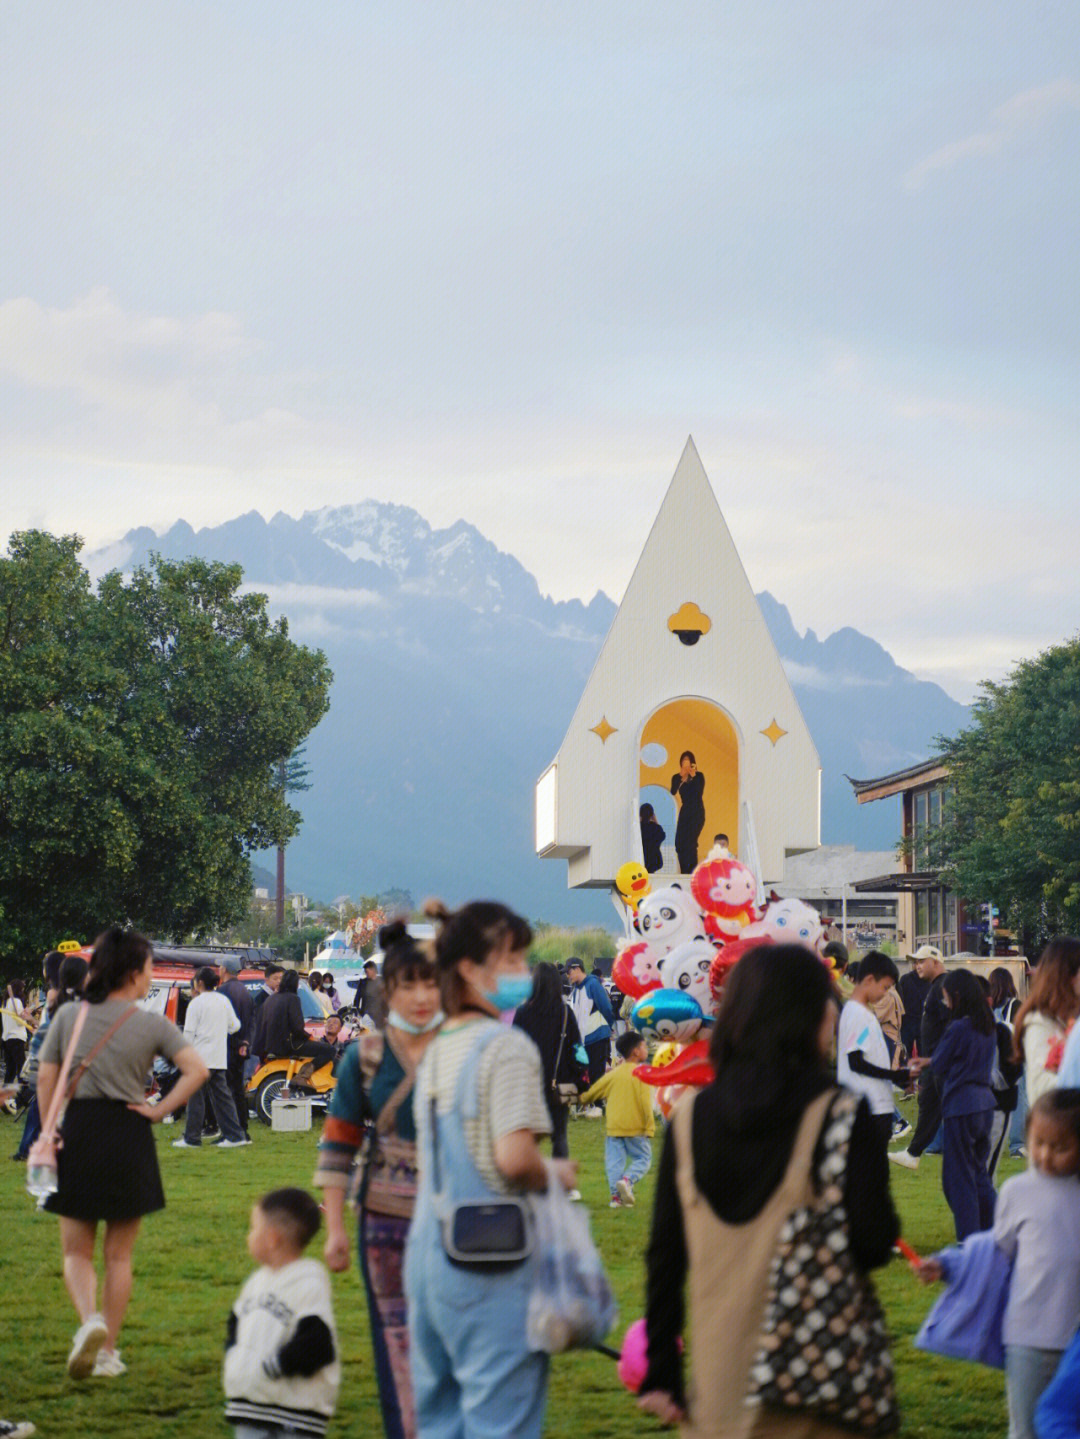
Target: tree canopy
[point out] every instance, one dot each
(143, 726)
(1011, 834)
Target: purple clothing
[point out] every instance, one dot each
(963, 1061)
(966, 1322)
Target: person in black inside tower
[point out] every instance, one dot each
(652, 837)
(688, 786)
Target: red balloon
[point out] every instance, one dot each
(728, 957)
(726, 887)
(690, 1066)
(636, 970)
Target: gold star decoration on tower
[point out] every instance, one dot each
(603, 729)
(773, 732)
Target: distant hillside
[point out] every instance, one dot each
(455, 679)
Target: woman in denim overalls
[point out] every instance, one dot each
(474, 1376)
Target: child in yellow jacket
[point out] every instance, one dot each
(630, 1119)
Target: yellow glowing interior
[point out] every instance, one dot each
(699, 726)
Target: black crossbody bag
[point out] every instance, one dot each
(496, 1232)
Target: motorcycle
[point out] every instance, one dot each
(280, 1078)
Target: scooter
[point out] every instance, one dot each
(278, 1078)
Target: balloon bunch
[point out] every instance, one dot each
(684, 945)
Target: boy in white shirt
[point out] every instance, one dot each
(209, 1021)
(862, 1056)
(282, 1373)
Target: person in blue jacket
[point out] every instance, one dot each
(594, 1015)
(1058, 1413)
(963, 1061)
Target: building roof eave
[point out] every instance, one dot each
(911, 778)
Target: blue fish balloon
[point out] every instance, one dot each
(668, 1014)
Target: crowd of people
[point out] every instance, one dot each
(440, 1119)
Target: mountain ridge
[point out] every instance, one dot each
(455, 678)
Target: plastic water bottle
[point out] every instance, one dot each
(40, 1181)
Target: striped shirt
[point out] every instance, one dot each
(511, 1091)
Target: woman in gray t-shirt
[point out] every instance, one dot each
(107, 1163)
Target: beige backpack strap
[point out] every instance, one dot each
(682, 1134)
(800, 1170)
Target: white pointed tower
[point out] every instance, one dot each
(688, 664)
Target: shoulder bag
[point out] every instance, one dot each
(824, 1348)
(496, 1231)
(386, 1170)
(564, 1091)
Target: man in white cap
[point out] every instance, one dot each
(929, 965)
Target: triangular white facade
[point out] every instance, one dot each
(688, 663)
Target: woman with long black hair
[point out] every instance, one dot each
(739, 1157)
(550, 1023)
(963, 1061)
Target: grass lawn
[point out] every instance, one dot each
(191, 1260)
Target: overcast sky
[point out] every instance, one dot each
(497, 261)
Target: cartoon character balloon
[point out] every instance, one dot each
(633, 883)
(667, 1014)
(789, 921)
(686, 969)
(668, 917)
(725, 890)
(636, 970)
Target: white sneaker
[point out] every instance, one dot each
(109, 1365)
(182, 1143)
(903, 1158)
(89, 1338)
(592, 1112)
(14, 1429)
(626, 1191)
(230, 1143)
(574, 1195)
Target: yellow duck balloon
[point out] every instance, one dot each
(633, 883)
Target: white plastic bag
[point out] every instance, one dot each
(572, 1305)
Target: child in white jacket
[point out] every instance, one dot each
(282, 1372)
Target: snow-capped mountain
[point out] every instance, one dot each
(455, 679)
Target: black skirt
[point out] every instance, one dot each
(107, 1165)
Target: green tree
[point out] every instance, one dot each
(1011, 830)
(138, 730)
(291, 776)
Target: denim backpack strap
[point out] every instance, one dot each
(468, 1085)
(454, 1168)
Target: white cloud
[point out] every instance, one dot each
(1025, 113)
(814, 678)
(292, 596)
(102, 351)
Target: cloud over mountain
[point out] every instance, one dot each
(455, 679)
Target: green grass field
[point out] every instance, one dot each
(192, 1259)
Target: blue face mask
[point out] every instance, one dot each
(511, 991)
(396, 1020)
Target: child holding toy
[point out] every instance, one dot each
(630, 1119)
(1038, 1227)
